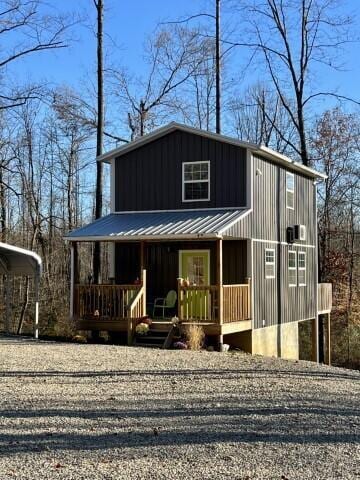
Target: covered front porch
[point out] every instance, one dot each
(207, 274)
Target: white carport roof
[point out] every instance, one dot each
(18, 261)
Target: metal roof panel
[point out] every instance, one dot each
(157, 225)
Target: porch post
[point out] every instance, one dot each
(315, 338)
(328, 341)
(143, 274)
(179, 297)
(143, 283)
(37, 282)
(219, 255)
(72, 255)
(73, 276)
(8, 305)
(142, 256)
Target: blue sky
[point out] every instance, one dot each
(127, 23)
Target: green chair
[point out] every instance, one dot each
(166, 303)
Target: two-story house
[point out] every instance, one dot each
(230, 226)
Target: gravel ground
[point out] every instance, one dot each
(109, 412)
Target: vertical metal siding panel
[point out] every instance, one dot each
(265, 290)
(298, 303)
(175, 169)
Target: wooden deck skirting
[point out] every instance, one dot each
(324, 297)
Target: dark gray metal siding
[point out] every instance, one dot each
(296, 303)
(150, 177)
(269, 220)
(265, 290)
(269, 203)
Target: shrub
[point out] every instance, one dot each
(194, 337)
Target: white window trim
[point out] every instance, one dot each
(303, 269)
(292, 268)
(195, 181)
(270, 263)
(289, 174)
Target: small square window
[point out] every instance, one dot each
(292, 268)
(269, 263)
(290, 190)
(302, 269)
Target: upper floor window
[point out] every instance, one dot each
(290, 190)
(269, 263)
(302, 269)
(292, 268)
(196, 181)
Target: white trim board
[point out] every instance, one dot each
(244, 207)
(259, 240)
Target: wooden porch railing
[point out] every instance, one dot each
(136, 309)
(201, 303)
(236, 303)
(111, 302)
(324, 297)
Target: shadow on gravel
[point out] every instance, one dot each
(19, 443)
(256, 371)
(127, 427)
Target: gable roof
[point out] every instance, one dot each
(173, 225)
(266, 152)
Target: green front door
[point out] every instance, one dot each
(194, 266)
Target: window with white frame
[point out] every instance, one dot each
(290, 190)
(292, 268)
(269, 263)
(196, 181)
(302, 269)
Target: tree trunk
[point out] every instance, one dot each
(217, 68)
(24, 306)
(99, 135)
(3, 234)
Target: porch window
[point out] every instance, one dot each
(269, 263)
(292, 268)
(302, 269)
(196, 181)
(290, 190)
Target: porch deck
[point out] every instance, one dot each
(220, 310)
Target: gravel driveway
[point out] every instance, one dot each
(109, 412)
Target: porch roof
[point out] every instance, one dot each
(185, 225)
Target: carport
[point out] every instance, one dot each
(15, 261)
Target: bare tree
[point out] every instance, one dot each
(258, 116)
(26, 30)
(293, 36)
(173, 56)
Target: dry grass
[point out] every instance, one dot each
(194, 337)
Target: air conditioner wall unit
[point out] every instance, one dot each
(300, 232)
